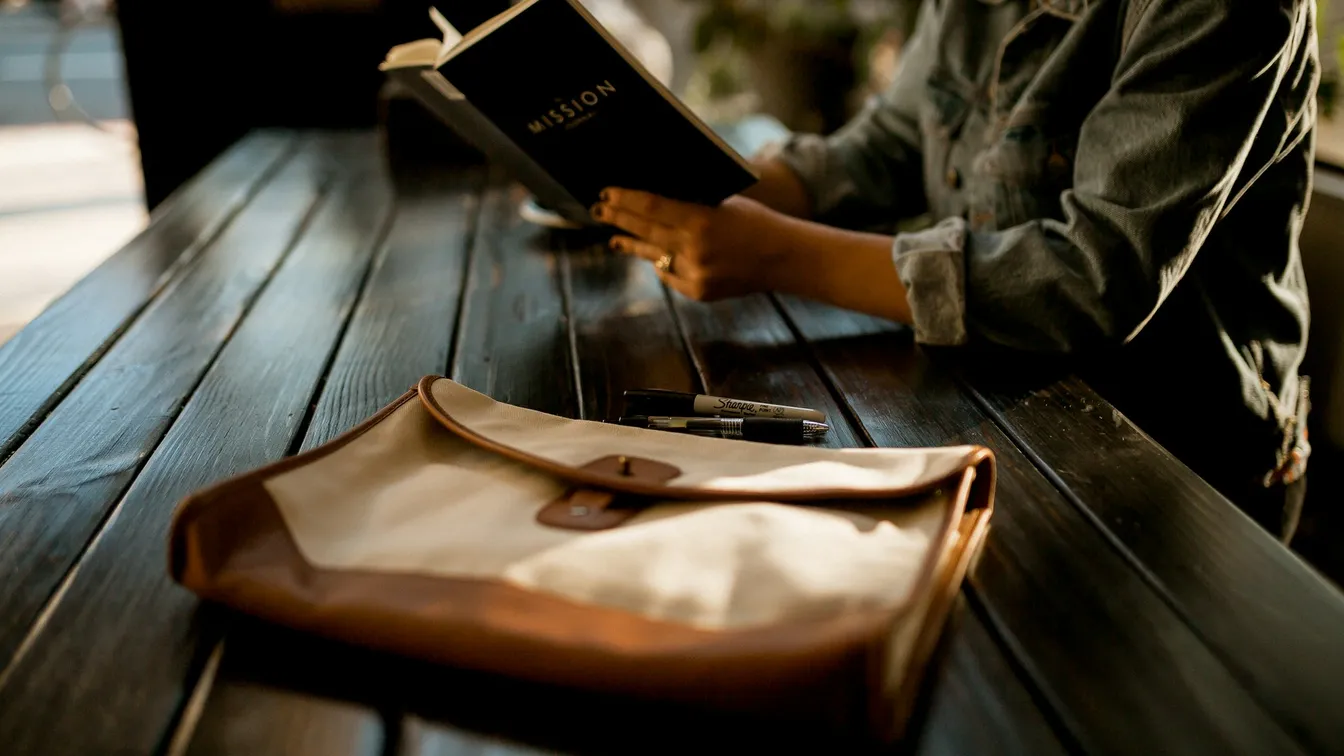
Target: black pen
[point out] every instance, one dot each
(662, 402)
(775, 430)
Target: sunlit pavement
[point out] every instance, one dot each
(70, 192)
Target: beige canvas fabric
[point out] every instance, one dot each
(410, 496)
(706, 463)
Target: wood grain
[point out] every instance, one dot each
(404, 326)
(59, 485)
(121, 639)
(743, 349)
(1124, 672)
(1272, 620)
(259, 719)
(976, 703)
(624, 334)
(401, 330)
(513, 336)
(42, 362)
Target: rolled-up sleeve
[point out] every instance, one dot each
(1160, 159)
(870, 172)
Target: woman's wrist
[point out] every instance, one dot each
(794, 263)
(850, 269)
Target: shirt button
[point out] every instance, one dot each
(953, 178)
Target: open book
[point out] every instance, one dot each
(545, 91)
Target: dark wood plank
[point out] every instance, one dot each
(1273, 621)
(743, 349)
(259, 719)
(977, 703)
(1124, 672)
(625, 336)
(401, 330)
(404, 326)
(513, 337)
(45, 359)
(120, 639)
(59, 485)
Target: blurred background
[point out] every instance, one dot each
(70, 179)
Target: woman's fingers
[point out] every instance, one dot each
(660, 210)
(637, 247)
(682, 275)
(636, 224)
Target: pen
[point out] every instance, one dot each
(661, 402)
(777, 430)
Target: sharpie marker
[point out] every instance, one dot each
(665, 403)
(775, 430)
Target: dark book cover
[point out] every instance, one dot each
(589, 114)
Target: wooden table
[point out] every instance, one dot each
(1121, 605)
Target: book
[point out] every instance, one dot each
(548, 93)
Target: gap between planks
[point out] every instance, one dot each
(182, 728)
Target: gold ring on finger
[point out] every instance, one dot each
(664, 264)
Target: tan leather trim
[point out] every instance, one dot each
(615, 482)
(637, 468)
(592, 509)
(587, 509)
(217, 491)
(972, 532)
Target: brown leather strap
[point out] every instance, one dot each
(596, 509)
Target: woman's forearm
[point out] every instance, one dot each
(849, 269)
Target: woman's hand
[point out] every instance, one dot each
(705, 253)
(743, 247)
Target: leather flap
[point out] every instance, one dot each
(650, 463)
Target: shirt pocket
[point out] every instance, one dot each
(1022, 173)
(942, 115)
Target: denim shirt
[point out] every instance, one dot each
(1120, 181)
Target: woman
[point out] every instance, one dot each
(1121, 181)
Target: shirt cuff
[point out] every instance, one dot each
(932, 265)
(812, 158)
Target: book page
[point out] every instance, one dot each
(422, 52)
(482, 30)
(451, 36)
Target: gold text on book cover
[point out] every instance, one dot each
(574, 110)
